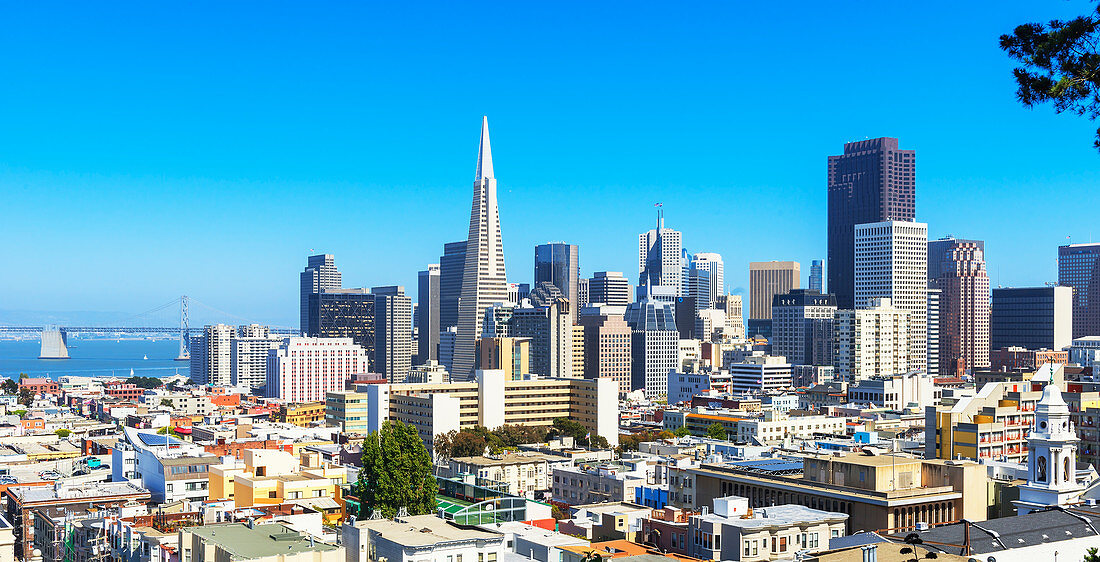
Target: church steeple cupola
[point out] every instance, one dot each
(1052, 455)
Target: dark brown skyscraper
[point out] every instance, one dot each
(872, 181)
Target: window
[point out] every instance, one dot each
(782, 544)
(748, 548)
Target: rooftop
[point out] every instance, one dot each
(1019, 531)
(422, 530)
(778, 515)
(32, 494)
(245, 543)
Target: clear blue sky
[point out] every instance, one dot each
(155, 149)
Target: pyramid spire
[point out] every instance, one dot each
(484, 154)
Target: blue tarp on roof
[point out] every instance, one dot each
(770, 465)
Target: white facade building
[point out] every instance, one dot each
(891, 261)
(895, 392)
(248, 365)
(760, 374)
(672, 266)
(303, 369)
(872, 342)
(1052, 456)
(711, 262)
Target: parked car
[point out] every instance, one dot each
(4, 480)
(49, 475)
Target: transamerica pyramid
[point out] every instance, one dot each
(484, 282)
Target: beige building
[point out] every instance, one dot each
(511, 355)
(767, 279)
(524, 473)
(876, 491)
(606, 344)
(872, 342)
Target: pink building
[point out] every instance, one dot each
(304, 369)
(957, 268)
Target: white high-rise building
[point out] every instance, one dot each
(393, 346)
(872, 342)
(610, 288)
(304, 369)
(667, 268)
(707, 261)
(212, 355)
(249, 356)
(891, 261)
(484, 282)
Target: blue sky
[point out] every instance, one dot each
(152, 150)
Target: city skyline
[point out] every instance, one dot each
(123, 191)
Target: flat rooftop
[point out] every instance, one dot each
(244, 543)
(422, 530)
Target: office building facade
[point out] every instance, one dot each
(815, 276)
(607, 339)
(660, 259)
(393, 332)
(610, 288)
(320, 274)
(891, 261)
(872, 181)
(1032, 318)
(872, 342)
(802, 327)
(1079, 268)
(304, 369)
(427, 315)
(767, 279)
(712, 264)
(344, 313)
(558, 263)
(654, 345)
(452, 267)
(957, 268)
(550, 328)
(248, 361)
(484, 281)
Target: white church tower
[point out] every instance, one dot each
(1052, 456)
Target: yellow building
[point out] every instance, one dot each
(347, 410)
(301, 414)
(271, 477)
(511, 355)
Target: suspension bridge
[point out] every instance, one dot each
(55, 338)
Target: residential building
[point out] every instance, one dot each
(1032, 317)
(957, 268)
(419, 537)
(241, 542)
(760, 374)
(171, 469)
(894, 392)
(484, 280)
(489, 401)
(212, 355)
(349, 411)
(427, 314)
(248, 360)
(802, 327)
(320, 274)
(607, 482)
(558, 263)
(872, 181)
(610, 288)
(767, 279)
(523, 474)
(872, 342)
(766, 533)
(991, 424)
(307, 414)
(273, 477)
(654, 345)
(304, 369)
(891, 261)
(682, 387)
(1079, 268)
(393, 346)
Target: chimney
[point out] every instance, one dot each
(870, 553)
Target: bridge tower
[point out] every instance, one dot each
(54, 342)
(185, 332)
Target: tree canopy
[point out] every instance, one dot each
(9, 386)
(145, 382)
(1061, 65)
(63, 433)
(630, 442)
(716, 431)
(397, 472)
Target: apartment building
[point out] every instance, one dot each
(522, 473)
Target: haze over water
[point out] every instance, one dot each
(92, 357)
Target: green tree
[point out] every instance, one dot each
(9, 386)
(681, 431)
(19, 413)
(397, 472)
(571, 428)
(63, 433)
(25, 396)
(167, 402)
(468, 444)
(716, 431)
(1091, 555)
(145, 382)
(1061, 65)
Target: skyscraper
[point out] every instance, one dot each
(609, 287)
(872, 181)
(343, 313)
(550, 327)
(452, 266)
(1079, 267)
(957, 268)
(484, 281)
(606, 344)
(659, 257)
(711, 263)
(557, 263)
(815, 276)
(427, 313)
(891, 261)
(872, 342)
(767, 279)
(654, 345)
(802, 327)
(1030, 317)
(320, 274)
(393, 329)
